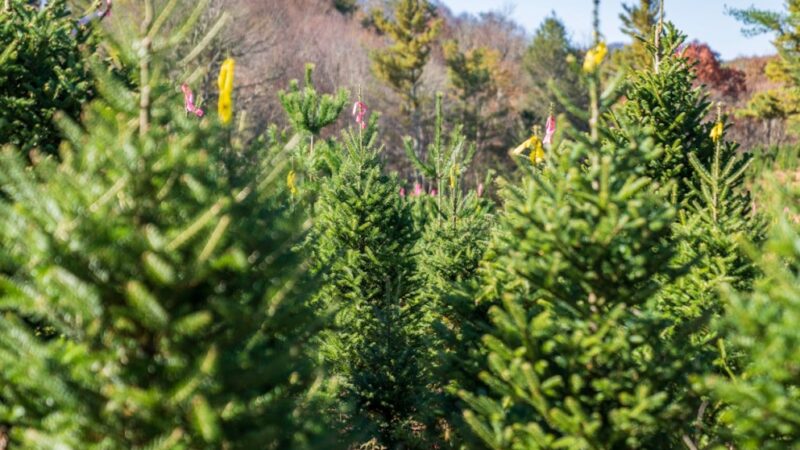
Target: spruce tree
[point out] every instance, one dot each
(42, 71)
(362, 245)
(154, 300)
(575, 357)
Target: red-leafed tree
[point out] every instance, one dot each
(726, 81)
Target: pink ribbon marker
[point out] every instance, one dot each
(417, 189)
(360, 111)
(480, 190)
(188, 98)
(402, 192)
(550, 130)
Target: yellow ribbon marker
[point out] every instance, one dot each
(534, 144)
(594, 57)
(225, 84)
(717, 131)
(537, 149)
(291, 182)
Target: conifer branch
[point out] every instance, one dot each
(144, 70)
(659, 30)
(594, 88)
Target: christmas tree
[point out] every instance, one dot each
(761, 326)
(665, 100)
(575, 357)
(309, 112)
(362, 246)
(713, 229)
(42, 71)
(454, 237)
(141, 309)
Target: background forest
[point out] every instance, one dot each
(494, 75)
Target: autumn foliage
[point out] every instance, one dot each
(728, 82)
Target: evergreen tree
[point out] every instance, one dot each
(762, 326)
(666, 102)
(575, 357)
(453, 241)
(362, 243)
(309, 112)
(546, 60)
(715, 208)
(715, 224)
(715, 215)
(785, 26)
(144, 311)
(42, 71)
(346, 7)
(779, 103)
(400, 66)
(472, 74)
(712, 231)
(639, 23)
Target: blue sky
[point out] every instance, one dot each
(703, 20)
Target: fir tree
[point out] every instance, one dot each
(453, 241)
(666, 101)
(309, 112)
(362, 243)
(761, 326)
(715, 217)
(42, 71)
(713, 228)
(143, 310)
(575, 357)
(707, 174)
(401, 65)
